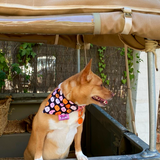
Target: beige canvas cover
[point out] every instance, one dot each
(104, 23)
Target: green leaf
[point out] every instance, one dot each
(100, 64)
(107, 81)
(105, 76)
(23, 52)
(140, 60)
(16, 68)
(24, 45)
(130, 50)
(130, 65)
(104, 48)
(122, 53)
(100, 50)
(2, 59)
(104, 65)
(2, 75)
(100, 70)
(2, 83)
(25, 90)
(1, 66)
(102, 60)
(123, 81)
(131, 76)
(6, 68)
(90, 44)
(125, 74)
(27, 77)
(102, 75)
(131, 70)
(101, 55)
(138, 71)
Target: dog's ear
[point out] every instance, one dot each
(86, 73)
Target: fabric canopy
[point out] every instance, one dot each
(103, 23)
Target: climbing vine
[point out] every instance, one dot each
(8, 71)
(26, 53)
(130, 64)
(102, 65)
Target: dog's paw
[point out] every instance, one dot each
(81, 156)
(39, 158)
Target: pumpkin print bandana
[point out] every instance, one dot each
(58, 104)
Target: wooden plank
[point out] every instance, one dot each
(27, 101)
(24, 95)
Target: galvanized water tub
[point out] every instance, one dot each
(103, 137)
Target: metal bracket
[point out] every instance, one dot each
(147, 153)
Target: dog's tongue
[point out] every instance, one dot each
(103, 101)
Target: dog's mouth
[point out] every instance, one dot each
(100, 100)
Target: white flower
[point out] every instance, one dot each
(47, 109)
(52, 99)
(57, 101)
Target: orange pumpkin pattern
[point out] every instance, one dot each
(68, 105)
(69, 111)
(65, 101)
(58, 113)
(57, 108)
(57, 95)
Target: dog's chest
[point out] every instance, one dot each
(71, 122)
(63, 132)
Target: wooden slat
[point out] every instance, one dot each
(24, 95)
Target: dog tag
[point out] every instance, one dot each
(63, 117)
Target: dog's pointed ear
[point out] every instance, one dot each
(86, 73)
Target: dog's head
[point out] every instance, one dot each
(86, 87)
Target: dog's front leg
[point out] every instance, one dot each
(77, 140)
(40, 137)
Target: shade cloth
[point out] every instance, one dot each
(97, 22)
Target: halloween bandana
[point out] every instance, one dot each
(58, 104)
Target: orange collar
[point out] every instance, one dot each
(80, 114)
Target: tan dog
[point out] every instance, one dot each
(50, 138)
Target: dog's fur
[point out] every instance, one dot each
(51, 138)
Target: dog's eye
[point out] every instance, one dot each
(101, 85)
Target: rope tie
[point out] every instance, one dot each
(150, 46)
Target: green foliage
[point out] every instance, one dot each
(2, 78)
(4, 69)
(130, 64)
(91, 45)
(16, 68)
(26, 53)
(102, 65)
(10, 71)
(3, 63)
